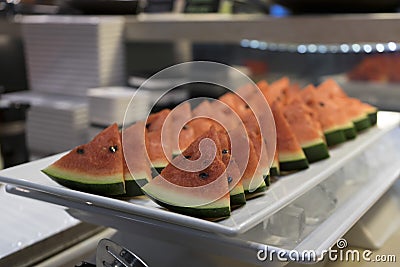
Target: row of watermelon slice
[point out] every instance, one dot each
(307, 122)
(310, 120)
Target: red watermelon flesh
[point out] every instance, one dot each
(159, 151)
(235, 102)
(274, 92)
(291, 155)
(194, 199)
(156, 120)
(330, 114)
(335, 123)
(355, 113)
(305, 130)
(331, 89)
(261, 152)
(247, 160)
(96, 167)
(186, 137)
(200, 126)
(202, 121)
(224, 115)
(232, 171)
(301, 121)
(182, 135)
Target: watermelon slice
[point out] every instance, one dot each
(203, 193)
(260, 150)
(274, 92)
(96, 167)
(180, 130)
(252, 179)
(335, 124)
(236, 192)
(136, 166)
(235, 102)
(201, 124)
(355, 112)
(303, 127)
(290, 153)
(159, 151)
(330, 89)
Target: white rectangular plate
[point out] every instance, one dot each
(280, 194)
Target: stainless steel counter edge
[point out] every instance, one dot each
(225, 28)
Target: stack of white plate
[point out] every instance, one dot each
(54, 123)
(69, 54)
(121, 105)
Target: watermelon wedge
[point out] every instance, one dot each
(236, 190)
(96, 167)
(159, 151)
(260, 150)
(203, 193)
(330, 89)
(335, 123)
(201, 124)
(290, 153)
(235, 102)
(252, 178)
(179, 129)
(274, 92)
(136, 166)
(300, 121)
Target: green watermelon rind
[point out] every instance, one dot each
(260, 190)
(316, 152)
(238, 199)
(111, 189)
(296, 163)
(216, 209)
(133, 184)
(335, 137)
(274, 171)
(205, 213)
(292, 161)
(237, 196)
(267, 180)
(103, 185)
(350, 133)
(133, 188)
(373, 117)
(362, 123)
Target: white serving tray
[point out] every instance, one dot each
(281, 193)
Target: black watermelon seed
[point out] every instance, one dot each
(80, 151)
(203, 175)
(148, 125)
(321, 104)
(225, 151)
(230, 179)
(113, 149)
(185, 127)
(187, 157)
(247, 106)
